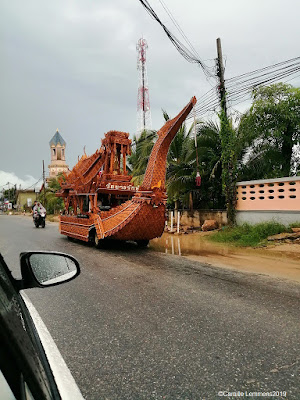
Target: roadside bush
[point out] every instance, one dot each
(249, 235)
(50, 217)
(294, 225)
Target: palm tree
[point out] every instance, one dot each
(181, 162)
(210, 165)
(181, 167)
(140, 153)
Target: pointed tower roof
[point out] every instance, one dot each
(57, 138)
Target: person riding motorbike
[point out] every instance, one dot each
(39, 215)
(34, 204)
(39, 208)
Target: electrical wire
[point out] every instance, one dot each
(178, 26)
(240, 88)
(246, 82)
(29, 187)
(261, 69)
(240, 91)
(190, 56)
(8, 183)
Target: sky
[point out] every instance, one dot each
(71, 65)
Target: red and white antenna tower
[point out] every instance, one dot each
(143, 102)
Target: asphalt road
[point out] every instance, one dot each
(142, 325)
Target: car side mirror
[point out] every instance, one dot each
(44, 269)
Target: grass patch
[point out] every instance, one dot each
(294, 225)
(50, 218)
(249, 235)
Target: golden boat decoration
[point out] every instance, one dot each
(102, 202)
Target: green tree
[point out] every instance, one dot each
(181, 168)
(182, 165)
(53, 203)
(10, 194)
(271, 130)
(229, 159)
(140, 153)
(210, 165)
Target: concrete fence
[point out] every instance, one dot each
(257, 201)
(269, 199)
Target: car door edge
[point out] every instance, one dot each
(65, 382)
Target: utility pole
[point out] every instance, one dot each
(44, 184)
(220, 74)
(15, 194)
(228, 144)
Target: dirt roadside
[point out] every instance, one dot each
(263, 263)
(276, 260)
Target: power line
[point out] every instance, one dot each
(261, 69)
(240, 88)
(243, 90)
(8, 183)
(295, 77)
(29, 187)
(190, 56)
(178, 26)
(287, 69)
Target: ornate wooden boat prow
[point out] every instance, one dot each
(100, 178)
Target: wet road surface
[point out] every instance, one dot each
(277, 261)
(142, 325)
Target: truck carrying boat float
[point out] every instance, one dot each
(102, 202)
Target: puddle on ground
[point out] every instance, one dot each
(277, 260)
(184, 245)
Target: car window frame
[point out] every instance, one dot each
(45, 382)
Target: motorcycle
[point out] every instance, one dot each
(39, 219)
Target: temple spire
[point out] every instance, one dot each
(58, 155)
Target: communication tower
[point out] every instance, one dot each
(143, 102)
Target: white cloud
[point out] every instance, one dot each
(72, 65)
(9, 179)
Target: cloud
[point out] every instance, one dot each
(9, 179)
(71, 65)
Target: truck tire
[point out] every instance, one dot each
(142, 243)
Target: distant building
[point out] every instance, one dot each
(25, 199)
(58, 156)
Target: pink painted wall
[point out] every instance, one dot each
(269, 195)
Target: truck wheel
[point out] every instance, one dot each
(142, 243)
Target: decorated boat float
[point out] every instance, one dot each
(101, 202)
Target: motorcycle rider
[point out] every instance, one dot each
(34, 204)
(38, 209)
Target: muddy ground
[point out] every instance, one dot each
(279, 260)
